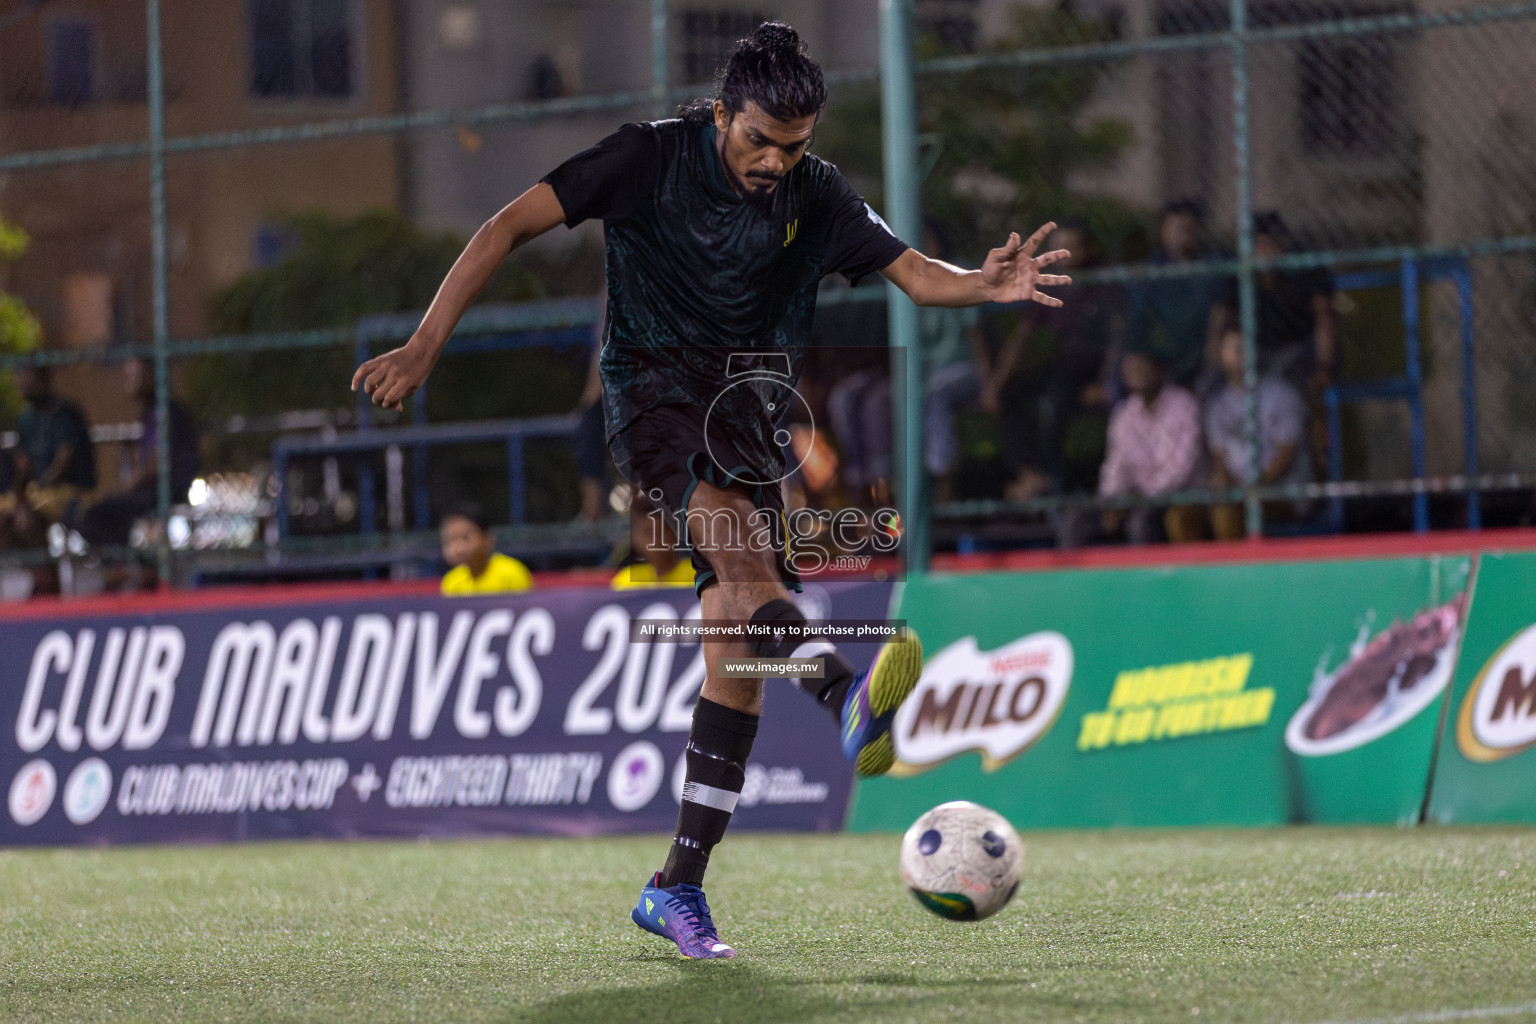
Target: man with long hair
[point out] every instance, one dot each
(718, 227)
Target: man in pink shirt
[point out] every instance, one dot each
(1154, 448)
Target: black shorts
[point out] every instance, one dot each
(664, 455)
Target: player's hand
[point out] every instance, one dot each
(388, 380)
(1013, 273)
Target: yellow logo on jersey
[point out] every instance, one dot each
(790, 231)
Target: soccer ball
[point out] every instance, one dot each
(962, 861)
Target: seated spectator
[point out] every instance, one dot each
(954, 364)
(53, 466)
(1282, 437)
(654, 560)
(55, 462)
(110, 520)
(859, 410)
(477, 567)
(1178, 317)
(954, 358)
(591, 443)
(23, 529)
(1296, 324)
(1154, 449)
(1035, 407)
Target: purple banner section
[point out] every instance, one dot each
(395, 716)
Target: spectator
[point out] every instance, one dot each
(55, 463)
(476, 567)
(1282, 433)
(110, 520)
(1034, 408)
(1297, 327)
(653, 558)
(859, 410)
(1154, 449)
(954, 364)
(591, 443)
(1177, 318)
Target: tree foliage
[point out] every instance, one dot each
(1003, 146)
(335, 270)
(19, 329)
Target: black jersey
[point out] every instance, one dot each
(696, 272)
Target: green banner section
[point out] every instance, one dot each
(1202, 695)
(1486, 770)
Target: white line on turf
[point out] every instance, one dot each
(1475, 1013)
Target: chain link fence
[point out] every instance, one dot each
(245, 194)
(1360, 165)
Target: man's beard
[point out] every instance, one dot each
(756, 188)
(753, 189)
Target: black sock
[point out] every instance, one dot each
(718, 745)
(776, 615)
(832, 688)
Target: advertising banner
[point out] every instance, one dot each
(396, 716)
(1486, 771)
(1231, 694)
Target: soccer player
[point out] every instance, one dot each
(718, 227)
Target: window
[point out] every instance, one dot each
(1349, 96)
(71, 62)
(302, 49)
(271, 244)
(90, 309)
(708, 37)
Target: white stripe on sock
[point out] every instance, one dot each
(813, 649)
(709, 796)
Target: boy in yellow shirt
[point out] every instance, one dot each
(470, 548)
(652, 551)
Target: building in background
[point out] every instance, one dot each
(1359, 139)
(73, 73)
(468, 53)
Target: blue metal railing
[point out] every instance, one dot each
(555, 323)
(1238, 37)
(1409, 386)
(514, 433)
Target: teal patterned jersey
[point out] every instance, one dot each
(697, 273)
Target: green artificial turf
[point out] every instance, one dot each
(1294, 925)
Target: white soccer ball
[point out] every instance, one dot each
(962, 861)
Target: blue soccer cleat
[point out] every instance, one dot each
(679, 913)
(872, 702)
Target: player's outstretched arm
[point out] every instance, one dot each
(393, 377)
(1011, 273)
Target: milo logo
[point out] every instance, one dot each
(1498, 716)
(997, 702)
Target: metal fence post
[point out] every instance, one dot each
(159, 272)
(1254, 510)
(1246, 41)
(1462, 275)
(661, 58)
(903, 205)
